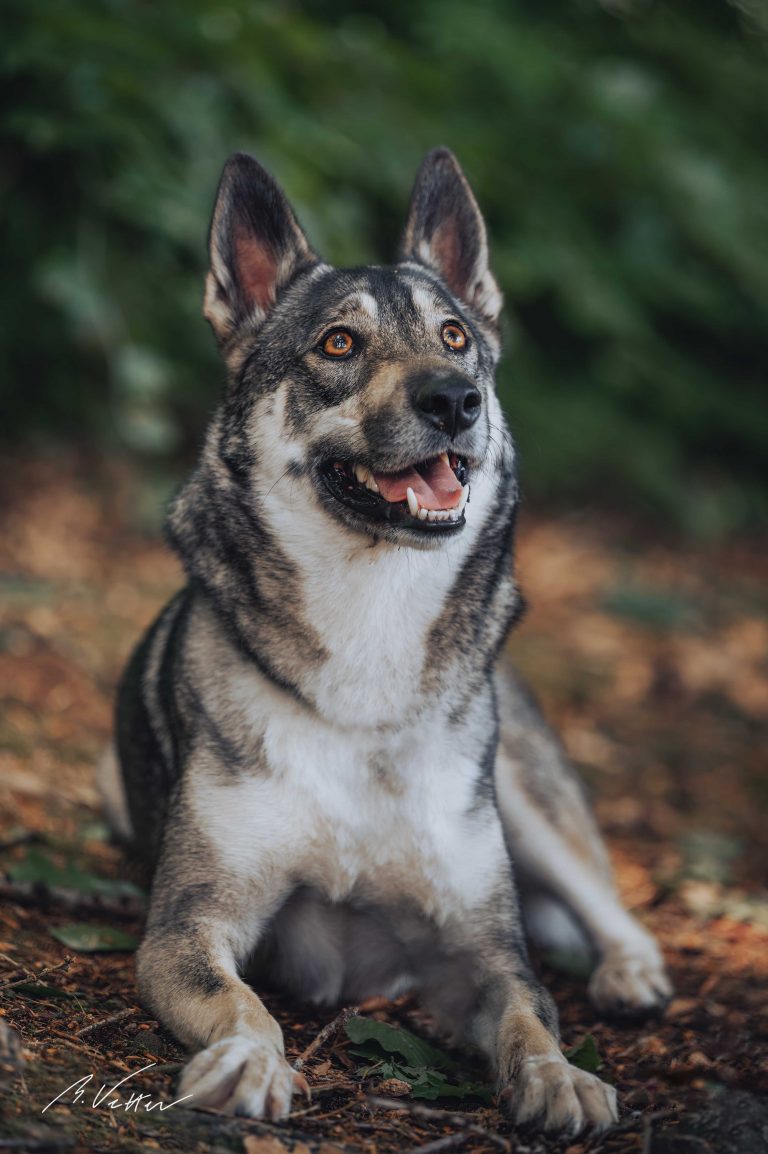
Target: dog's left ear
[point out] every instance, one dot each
(256, 247)
(446, 232)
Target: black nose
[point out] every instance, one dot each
(450, 405)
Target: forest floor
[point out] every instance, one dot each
(650, 658)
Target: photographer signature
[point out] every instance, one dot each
(108, 1096)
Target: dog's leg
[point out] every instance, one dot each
(555, 843)
(203, 924)
(513, 1020)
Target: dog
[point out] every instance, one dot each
(342, 789)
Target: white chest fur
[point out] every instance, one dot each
(344, 811)
(372, 607)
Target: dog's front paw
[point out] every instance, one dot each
(239, 1075)
(630, 985)
(552, 1095)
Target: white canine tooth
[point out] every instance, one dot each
(444, 457)
(423, 514)
(371, 484)
(362, 474)
(413, 503)
(463, 499)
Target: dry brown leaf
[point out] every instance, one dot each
(267, 1144)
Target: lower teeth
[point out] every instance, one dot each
(433, 515)
(364, 477)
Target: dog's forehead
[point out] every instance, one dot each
(379, 296)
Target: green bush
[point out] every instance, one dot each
(618, 151)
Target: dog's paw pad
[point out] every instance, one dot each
(551, 1095)
(239, 1075)
(630, 986)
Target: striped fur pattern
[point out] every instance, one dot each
(317, 751)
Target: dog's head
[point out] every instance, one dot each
(369, 389)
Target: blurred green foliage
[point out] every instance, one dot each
(618, 150)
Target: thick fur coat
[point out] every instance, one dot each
(340, 789)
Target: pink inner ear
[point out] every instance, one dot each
(447, 255)
(256, 270)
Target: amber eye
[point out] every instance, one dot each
(339, 343)
(454, 337)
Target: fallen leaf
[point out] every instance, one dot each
(396, 1040)
(585, 1056)
(38, 868)
(570, 962)
(94, 939)
(254, 1144)
(396, 1053)
(395, 1087)
(40, 990)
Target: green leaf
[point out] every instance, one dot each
(430, 1084)
(94, 939)
(655, 608)
(570, 962)
(40, 990)
(94, 831)
(585, 1056)
(396, 1040)
(709, 856)
(38, 868)
(423, 1066)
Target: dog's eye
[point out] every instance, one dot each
(454, 337)
(339, 343)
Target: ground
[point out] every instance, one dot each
(648, 654)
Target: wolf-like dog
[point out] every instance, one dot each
(343, 792)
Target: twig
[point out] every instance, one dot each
(447, 1143)
(37, 894)
(462, 1122)
(327, 1032)
(35, 975)
(55, 1142)
(168, 1068)
(333, 1087)
(95, 1027)
(19, 837)
(69, 1040)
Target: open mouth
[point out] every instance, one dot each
(430, 496)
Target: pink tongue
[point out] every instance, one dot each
(435, 485)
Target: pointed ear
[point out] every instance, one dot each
(256, 247)
(446, 232)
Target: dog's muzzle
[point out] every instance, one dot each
(448, 402)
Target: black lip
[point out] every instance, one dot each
(341, 484)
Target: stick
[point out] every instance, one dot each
(55, 1142)
(35, 975)
(462, 1122)
(19, 837)
(446, 1143)
(37, 894)
(327, 1032)
(110, 1021)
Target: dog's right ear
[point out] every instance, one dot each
(256, 247)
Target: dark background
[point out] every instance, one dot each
(618, 150)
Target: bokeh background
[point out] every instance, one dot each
(618, 150)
